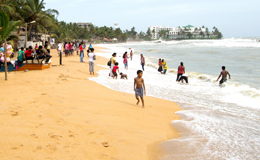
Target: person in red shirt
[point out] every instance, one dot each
(70, 48)
(81, 52)
(181, 71)
(28, 54)
(115, 69)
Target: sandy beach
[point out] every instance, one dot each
(58, 113)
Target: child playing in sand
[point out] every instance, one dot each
(139, 87)
(115, 69)
(123, 76)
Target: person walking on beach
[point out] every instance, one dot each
(113, 62)
(181, 71)
(139, 87)
(92, 58)
(66, 47)
(73, 48)
(70, 49)
(77, 44)
(59, 48)
(81, 52)
(160, 66)
(125, 60)
(165, 67)
(131, 55)
(142, 61)
(224, 74)
(90, 46)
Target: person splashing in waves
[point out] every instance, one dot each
(160, 66)
(165, 67)
(142, 61)
(139, 87)
(131, 55)
(224, 74)
(125, 61)
(181, 71)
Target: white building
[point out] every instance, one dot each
(175, 31)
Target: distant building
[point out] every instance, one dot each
(83, 25)
(177, 32)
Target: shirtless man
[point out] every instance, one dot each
(224, 74)
(139, 87)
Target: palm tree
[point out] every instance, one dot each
(33, 11)
(6, 29)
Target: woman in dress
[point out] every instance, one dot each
(125, 60)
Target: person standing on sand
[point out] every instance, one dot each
(139, 87)
(59, 48)
(81, 52)
(160, 66)
(131, 55)
(125, 60)
(91, 56)
(181, 71)
(66, 47)
(142, 61)
(224, 74)
(113, 63)
(77, 44)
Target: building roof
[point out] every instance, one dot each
(188, 26)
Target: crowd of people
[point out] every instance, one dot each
(38, 53)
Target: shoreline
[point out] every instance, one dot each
(58, 113)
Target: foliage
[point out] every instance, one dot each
(7, 27)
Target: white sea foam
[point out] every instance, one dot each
(218, 122)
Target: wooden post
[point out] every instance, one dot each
(6, 67)
(25, 36)
(60, 58)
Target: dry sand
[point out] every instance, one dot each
(59, 114)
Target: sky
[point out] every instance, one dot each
(234, 18)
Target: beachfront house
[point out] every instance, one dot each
(184, 32)
(83, 25)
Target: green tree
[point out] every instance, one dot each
(189, 35)
(6, 29)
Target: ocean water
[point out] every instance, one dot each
(218, 122)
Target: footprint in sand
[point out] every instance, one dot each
(33, 136)
(58, 137)
(13, 113)
(105, 144)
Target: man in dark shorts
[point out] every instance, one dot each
(40, 54)
(28, 54)
(183, 77)
(114, 71)
(224, 74)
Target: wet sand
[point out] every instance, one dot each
(58, 113)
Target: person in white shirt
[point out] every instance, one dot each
(92, 58)
(59, 48)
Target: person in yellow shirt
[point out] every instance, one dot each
(113, 63)
(165, 67)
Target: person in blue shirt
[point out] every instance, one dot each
(90, 45)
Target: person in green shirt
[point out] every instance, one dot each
(21, 54)
(20, 58)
